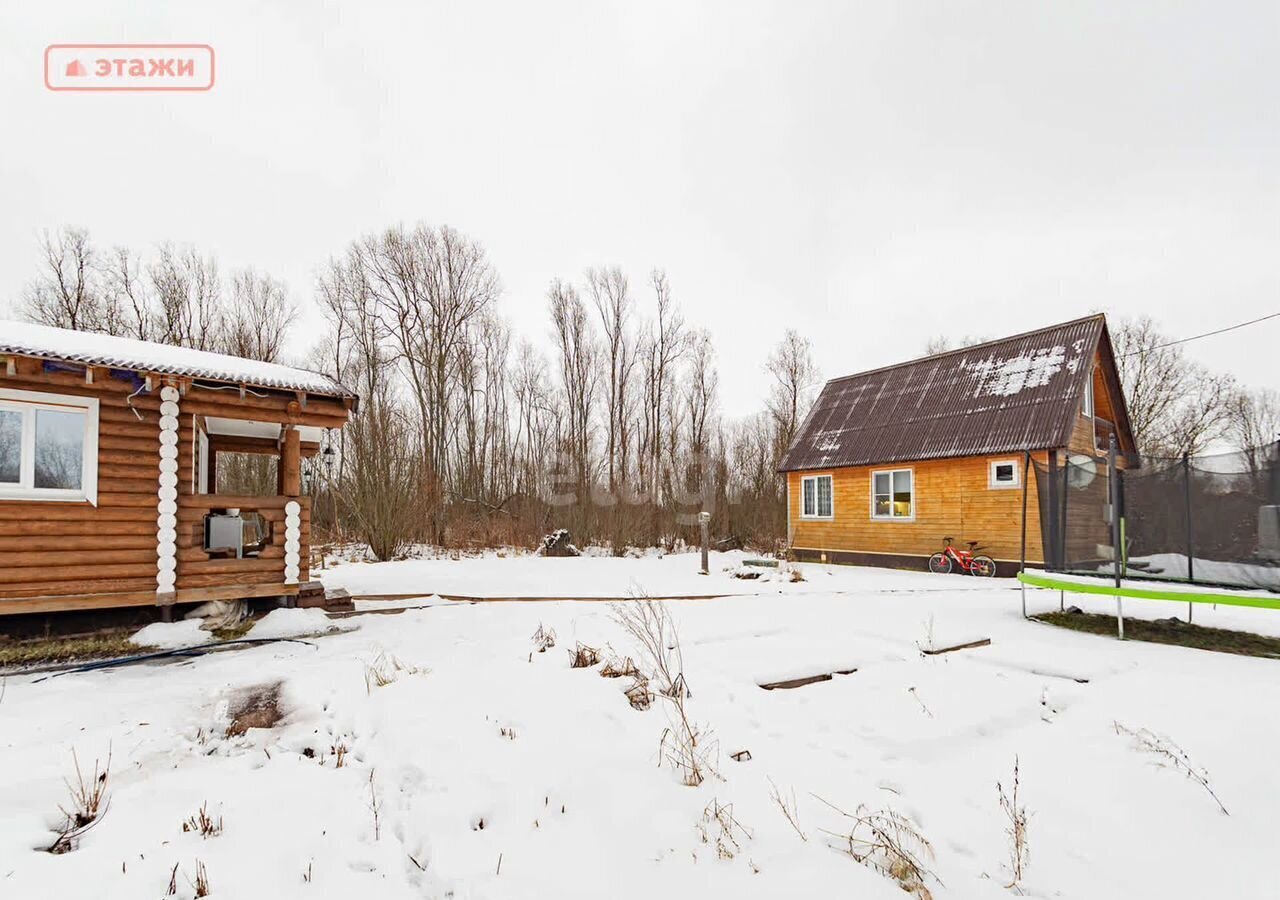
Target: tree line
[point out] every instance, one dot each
(469, 435)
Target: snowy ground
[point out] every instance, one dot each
(564, 774)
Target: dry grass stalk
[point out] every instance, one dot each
(1170, 754)
(384, 669)
(544, 639)
(912, 692)
(172, 890)
(619, 668)
(202, 880)
(507, 732)
(890, 843)
(339, 755)
(790, 809)
(719, 826)
(650, 625)
(89, 802)
(688, 748)
(583, 657)
(203, 824)
(639, 695)
(1017, 830)
(375, 807)
(927, 645)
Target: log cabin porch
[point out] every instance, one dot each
(133, 517)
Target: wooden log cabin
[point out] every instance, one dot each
(109, 459)
(892, 461)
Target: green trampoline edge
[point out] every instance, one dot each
(1078, 587)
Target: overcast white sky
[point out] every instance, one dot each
(868, 173)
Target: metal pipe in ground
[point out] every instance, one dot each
(1113, 485)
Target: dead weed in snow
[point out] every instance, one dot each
(1170, 754)
(719, 827)
(583, 657)
(891, 843)
(544, 639)
(202, 823)
(89, 803)
(386, 668)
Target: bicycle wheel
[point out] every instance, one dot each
(940, 564)
(983, 566)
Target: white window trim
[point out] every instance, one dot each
(891, 517)
(26, 400)
(1088, 403)
(814, 478)
(1003, 485)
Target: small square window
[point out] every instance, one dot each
(1004, 474)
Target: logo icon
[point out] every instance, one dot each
(128, 67)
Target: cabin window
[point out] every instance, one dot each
(48, 446)
(893, 494)
(815, 497)
(1086, 403)
(1004, 474)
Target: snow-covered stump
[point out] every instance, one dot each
(292, 541)
(167, 499)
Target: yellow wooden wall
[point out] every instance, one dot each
(951, 497)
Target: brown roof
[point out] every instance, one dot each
(1017, 393)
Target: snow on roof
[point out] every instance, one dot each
(90, 348)
(1016, 393)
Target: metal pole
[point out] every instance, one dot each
(704, 520)
(1191, 549)
(1051, 552)
(1026, 470)
(1113, 483)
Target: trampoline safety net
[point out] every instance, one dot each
(1212, 520)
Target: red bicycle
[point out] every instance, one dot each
(942, 563)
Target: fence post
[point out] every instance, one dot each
(1051, 551)
(1191, 549)
(1113, 484)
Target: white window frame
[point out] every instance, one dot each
(815, 479)
(891, 517)
(27, 402)
(1003, 485)
(1087, 402)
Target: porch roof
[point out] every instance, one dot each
(90, 348)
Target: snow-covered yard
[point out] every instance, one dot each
(497, 771)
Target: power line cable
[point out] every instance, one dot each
(1196, 337)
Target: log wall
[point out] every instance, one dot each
(75, 555)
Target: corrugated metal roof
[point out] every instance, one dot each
(1017, 393)
(90, 348)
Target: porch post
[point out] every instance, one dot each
(167, 499)
(291, 484)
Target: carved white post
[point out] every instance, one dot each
(167, 505)
(292, 541)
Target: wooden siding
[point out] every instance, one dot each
(950, 496)
(73, 555)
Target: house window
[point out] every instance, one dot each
(815, 497)
(892, 494)
(1086, 403)
(48, 447)
(1003, 474)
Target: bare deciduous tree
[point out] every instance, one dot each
(1175, 406)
